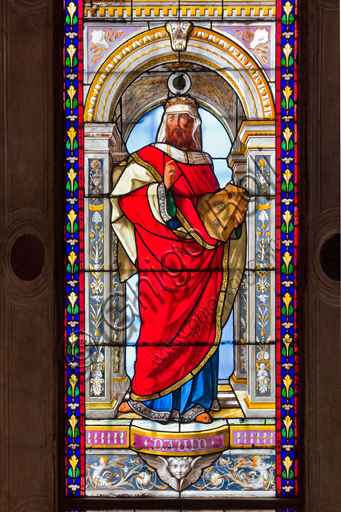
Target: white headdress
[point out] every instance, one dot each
(179, 105)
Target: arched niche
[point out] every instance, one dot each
(149, 90)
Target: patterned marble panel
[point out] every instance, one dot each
(122, 473)
(238, 473)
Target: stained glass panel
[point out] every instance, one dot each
(181, 348)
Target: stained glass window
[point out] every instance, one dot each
(181, 348)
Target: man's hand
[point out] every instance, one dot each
(239, 218)
(169, 174)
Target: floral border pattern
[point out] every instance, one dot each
(287, 239)
(74, 308)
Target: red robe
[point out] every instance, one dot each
(181, 283)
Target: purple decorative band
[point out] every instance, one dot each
(255, 437)
(104, 438)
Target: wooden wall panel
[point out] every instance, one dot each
(27, 108)
(320, 218)
(28, 407)
(27, 323)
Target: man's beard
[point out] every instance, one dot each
(176, 138)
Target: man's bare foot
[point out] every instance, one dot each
(125, 407)
(203, 418)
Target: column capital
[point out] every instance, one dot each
(257, 134)
(97, 136)
(237, 161)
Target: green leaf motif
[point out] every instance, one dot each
(284, 185)
(69, 432)
(68, 64)
(69, 268)
(290, 311)
(284, 269)
(69, 390)
(68, 145)
(284, 433)
(75, 311)
(75, 227)
(74, 103)
(284, 228)
(68, 20)
(290, 61)
(284, 145)
(284, 103)
(68, 186)
(291, 19)
(284, 474)
(77, 472)
(76, 352)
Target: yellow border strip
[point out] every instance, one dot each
(259, 405)
(101, 405)
(215, 10)
(238, 380)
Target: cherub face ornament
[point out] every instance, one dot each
(179, 467)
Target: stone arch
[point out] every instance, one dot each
(205, 46)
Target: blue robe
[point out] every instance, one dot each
(193, 398)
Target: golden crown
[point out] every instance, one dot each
(182, 101)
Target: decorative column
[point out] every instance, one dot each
(237, 162)
(258, 293)
(106, 381)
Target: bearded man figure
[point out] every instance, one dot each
(187, 280)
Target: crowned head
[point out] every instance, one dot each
(180, 126)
